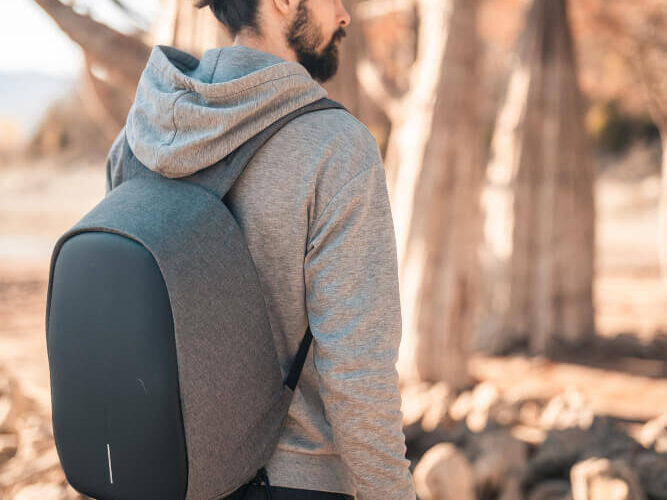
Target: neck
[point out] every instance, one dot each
(271, 45)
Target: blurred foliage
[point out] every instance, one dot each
(615, 129)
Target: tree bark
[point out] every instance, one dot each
(538, 199)
(124, 56)
(344, 86)
(439, 269)
(662, 222)
(181, 25)
(106, 99)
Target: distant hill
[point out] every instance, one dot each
(25, 96)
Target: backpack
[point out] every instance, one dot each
(165, 381)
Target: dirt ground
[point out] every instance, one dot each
(38, 203)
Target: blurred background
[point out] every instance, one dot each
(524, 145)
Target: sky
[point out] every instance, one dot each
(31, 41)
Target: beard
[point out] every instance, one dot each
(303, 37)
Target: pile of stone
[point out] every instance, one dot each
(475, 445)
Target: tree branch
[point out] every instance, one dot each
(124, 56)
(371, 81)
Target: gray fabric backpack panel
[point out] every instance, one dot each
(227, 378)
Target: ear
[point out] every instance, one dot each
(285, 7)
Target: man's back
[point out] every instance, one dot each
(314, 208)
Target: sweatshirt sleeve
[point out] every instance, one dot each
(353, 304)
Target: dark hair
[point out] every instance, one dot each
(234, 14)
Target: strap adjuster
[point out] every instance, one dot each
(262, 477)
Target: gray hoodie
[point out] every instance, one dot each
(314, 207)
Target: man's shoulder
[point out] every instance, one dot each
(336, 128)
(332, 142)
(331, 149)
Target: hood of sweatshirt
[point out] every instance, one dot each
(190, 113)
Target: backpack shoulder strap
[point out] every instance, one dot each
(299, 360)
(235, 162)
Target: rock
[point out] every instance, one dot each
(435, 413)
(444, 473)
(529, 435)
(652, 435)
(603, 479)
(461, 406)
(530, 413)
(551, 490)
(425, 406)
(8, 446)
(418, 443)
(612, 442)
(35, 436)
(484, 397)
(652, 471)
(564, 448)
(14, 405)
(23, 470)
(498, 458)
(511, 490)
(505, 413)
(41, 491)
(4, 383)
(5, 409)
(560, 451)
(475, 406)
(414, 402)
(567, 410)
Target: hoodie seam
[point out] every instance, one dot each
(312, 228)
(245, 89)
(173, 123)
(299, 74)
(215, 66)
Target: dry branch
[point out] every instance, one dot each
(124, 56)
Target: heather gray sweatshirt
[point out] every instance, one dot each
(314, 207)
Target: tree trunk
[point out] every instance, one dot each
(662, 221)
(439, 268)
(123, 57)
(539, 207)
(344, 86)
(181, 25)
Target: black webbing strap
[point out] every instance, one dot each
(233, 165)
(297, 364)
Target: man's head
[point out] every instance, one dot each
(307, 31)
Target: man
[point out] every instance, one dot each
(314, 207)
